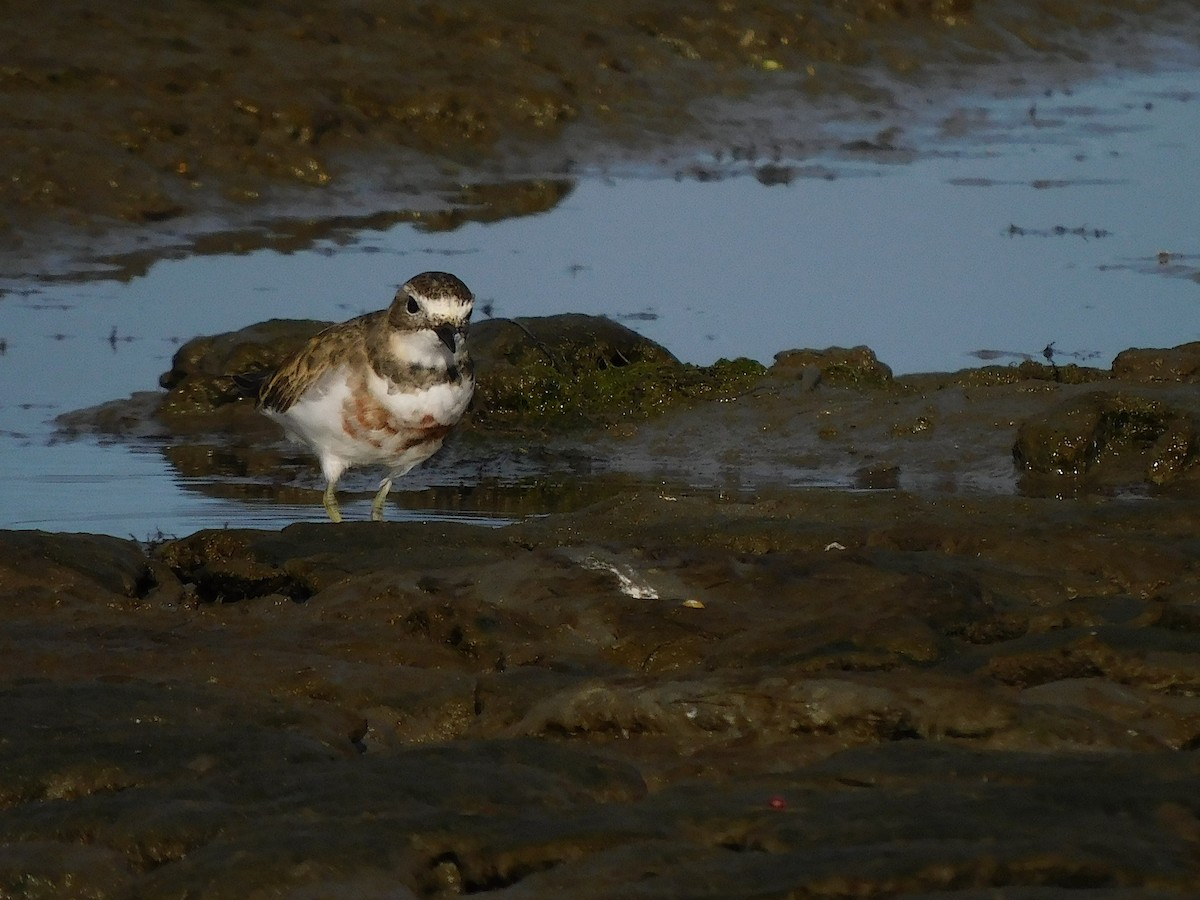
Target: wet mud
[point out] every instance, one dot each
(128, 133)
(970, 667)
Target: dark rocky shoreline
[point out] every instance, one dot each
(806, 630)
(816, 693)
(784, 692)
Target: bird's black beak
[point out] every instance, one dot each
(446, 335)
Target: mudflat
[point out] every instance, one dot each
(195, 124)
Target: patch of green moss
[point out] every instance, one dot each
(1093, 431)
(539, 394)
(1136, 419)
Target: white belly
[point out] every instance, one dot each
(373, 427)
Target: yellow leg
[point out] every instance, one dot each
(377, 503)
(331, 504)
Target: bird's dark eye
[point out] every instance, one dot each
(412, 307)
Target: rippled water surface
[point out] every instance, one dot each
(1064, 224)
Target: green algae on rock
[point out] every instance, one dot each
(853, 367)
(539, 373)
(1179, 364)
(1110, 433)
(573, 370)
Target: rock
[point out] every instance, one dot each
(572, 370)
(255, 348)
(1120, 433)
(1180, 363)
(57, 867)
(856, 367)
(767, 708)
(1164, 717)
(705, 695)
(237, 564)
(79, 564)
(199, 383)
(134, 418)
(534, 374)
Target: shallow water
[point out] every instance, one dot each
(1029, 224)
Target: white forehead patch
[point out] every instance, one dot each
(447, 308)
(442, 295)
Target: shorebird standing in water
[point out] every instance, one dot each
(383, 389)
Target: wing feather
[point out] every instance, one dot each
(336, 345)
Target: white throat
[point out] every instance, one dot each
(420, 348)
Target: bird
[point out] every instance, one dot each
(382, 389)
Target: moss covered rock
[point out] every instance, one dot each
(852, 367)
(539, 373)
(199, 382)
(575, 370)
(1109, 432)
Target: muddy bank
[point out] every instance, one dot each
(136, 129)
(816, 692)
(749, 691)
